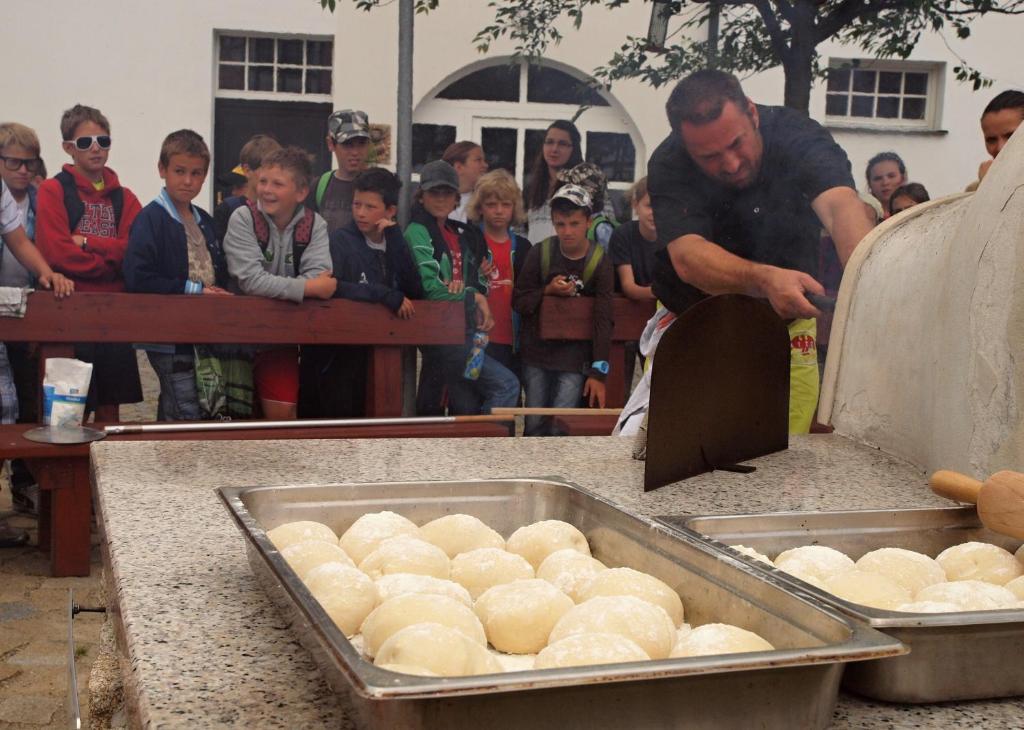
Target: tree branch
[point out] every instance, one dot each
(775, 32)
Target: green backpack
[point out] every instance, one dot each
(594, 256)
(224, 382)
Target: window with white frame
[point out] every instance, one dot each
(277, 66)
(883, 94)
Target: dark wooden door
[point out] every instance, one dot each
(290, 122)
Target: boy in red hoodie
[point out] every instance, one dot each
(83, 216)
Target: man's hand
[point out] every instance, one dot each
(61, 285)
(784, 289)
(321, 287)
(216, 290)
(594, 392)
(486, 267)
(560, 286)
(484, 318)
(456, 286)
(406, 310)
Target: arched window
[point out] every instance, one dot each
(506, 108)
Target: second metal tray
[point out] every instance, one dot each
(953, 656)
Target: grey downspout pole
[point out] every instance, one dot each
(714, 17)
(406, 24)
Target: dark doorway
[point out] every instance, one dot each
(290, 122)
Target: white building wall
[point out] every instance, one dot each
(147, 66)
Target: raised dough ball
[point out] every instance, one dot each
(304, 556)
(1020, 554)
(911, 570)
(643, 623)
(303, 531)
(1016, 587)
(752, 553)
(346, 594)
(535, 542)
(816, 561)
(438, 649)
(514, 662)
(869, 589)
(478, 570)
(980, 561)
(459, 534)
(584, 649)
(406, 554)
(970, 595)
(929, 607)
(408, 669)
(568, 570)
(370, 530)
(629, 582)
(518, 616)
(416, 608)
(398, 584)
(713, 639)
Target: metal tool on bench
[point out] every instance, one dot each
(64, 435)
(200, 426)
(1000, 498)
(719, 390)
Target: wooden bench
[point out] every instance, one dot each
(571, 318)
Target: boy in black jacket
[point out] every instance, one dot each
(371, 263)
(172, 249)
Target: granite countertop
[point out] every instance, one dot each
(206, 647)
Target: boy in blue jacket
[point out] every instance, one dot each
(172, 249)
(371, 263)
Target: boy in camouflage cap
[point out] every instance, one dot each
(348, 139)
(591, 178)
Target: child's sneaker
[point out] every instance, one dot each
(25, 499)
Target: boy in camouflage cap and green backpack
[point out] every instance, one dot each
(348, 138)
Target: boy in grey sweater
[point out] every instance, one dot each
(278, 248)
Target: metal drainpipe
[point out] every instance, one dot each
(403, 153)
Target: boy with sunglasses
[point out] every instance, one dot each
(82, 222)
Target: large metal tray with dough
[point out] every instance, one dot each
(953, 656)
(794, 686)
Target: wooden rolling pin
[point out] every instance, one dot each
(1000, 498)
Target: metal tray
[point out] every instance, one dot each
(794, 686)
(953, 656)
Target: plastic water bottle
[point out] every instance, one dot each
(475, 361)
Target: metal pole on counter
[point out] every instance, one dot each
(194, 426)
(403, 151)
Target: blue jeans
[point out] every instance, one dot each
(549, 389)
(179, 397)
(497, 386)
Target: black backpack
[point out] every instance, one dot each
(76, 208)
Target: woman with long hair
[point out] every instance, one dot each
(562, 149)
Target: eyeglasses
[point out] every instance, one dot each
(557, 143)
(31, 164)
(86, 142)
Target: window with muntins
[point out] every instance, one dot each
(883, 94)
(272, 66)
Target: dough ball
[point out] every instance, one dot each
(518, 616)
(292, 532)
(535, 542)
(436, 648)
(629, 582)
(713, 639)
(929, 607)
(980, 561)
(478, 570)
(816, 561)
(417, 608)
(304, 556)
(869, 589)
(643, 623)
(1016, 587)
(584, 649)
(406, 554)
(568, 570)
(459, 534)
(398, 584)
(514, 662)
(806, 578)
(911, 570)
(752, 553)
(408, 669)
(1020, 554)
(346, 594)
(370, 530)
(970, 595)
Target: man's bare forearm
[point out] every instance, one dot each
(712, 269)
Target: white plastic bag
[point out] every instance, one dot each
(65, 389)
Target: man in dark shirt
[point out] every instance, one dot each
(740, 194)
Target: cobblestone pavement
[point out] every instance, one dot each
(33, 616)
